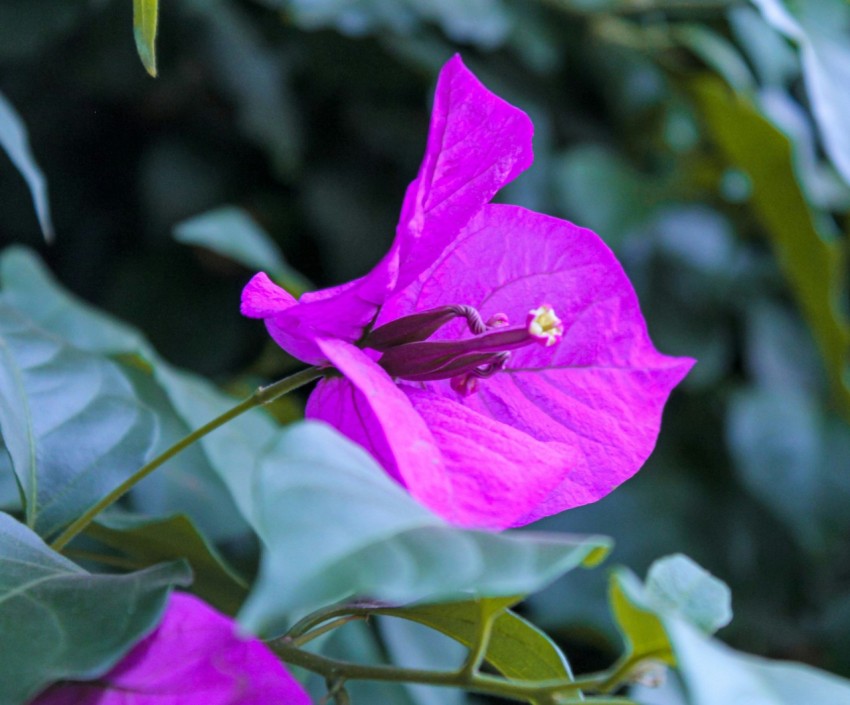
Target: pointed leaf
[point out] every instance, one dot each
(13, 139)
(73, 428)
(57, 621)
(328, 508)
(517, 648)
(145, 21)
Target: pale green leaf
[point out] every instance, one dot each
(70, 421)
(231, 232)
(677, 584)
(321, 503)
(14, 140)
(59, 622)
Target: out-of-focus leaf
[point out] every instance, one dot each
(14, 140)
(411, 645)
(661, 627)
(254, 76)
(145, 22)
(481, 22)
(714, 673)
(517, 649)
(822, 185)
(70, 420)
(147, 542)
(231, 232)
(821, 28)
(358, 643)
(328, 508)
(676, 589)
(676, 584)
(59, 622)
(601, 191)
(814, 265)
(717, 53)
(640, 627)
(774, 61)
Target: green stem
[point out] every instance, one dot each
(324, 629)
(263, 395)
(478, 651)
(482, 683)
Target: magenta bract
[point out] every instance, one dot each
(193, 657)
(496, 361)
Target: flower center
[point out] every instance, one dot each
(408, 354)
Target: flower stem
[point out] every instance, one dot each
(564, 692)
(263, 395)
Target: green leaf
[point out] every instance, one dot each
(145, 21)
(656, 619)
(335, 526)
(820, 29)
(69, 419)
(639, 625)
(677, 584)
(13, 139)
(59, 622)
(814, 264)
(517, 648)
(182, 402)
(231, 232)
(150, 541)
(715, 673)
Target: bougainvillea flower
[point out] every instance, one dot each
(495, 362)
(194, 657)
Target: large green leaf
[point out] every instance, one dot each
(59, 622)
(814, 264)
(147, 542)
(517, 648)
(69, 419)
(145, 23)
(336, 526)
(13, 139)
(182, 402)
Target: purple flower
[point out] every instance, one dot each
(192, 658)
(495, 362)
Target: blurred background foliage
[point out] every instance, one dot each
(705, 140)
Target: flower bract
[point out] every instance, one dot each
(495, 361)
(194, 657)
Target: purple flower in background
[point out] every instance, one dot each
(495, 362)
(192, 658)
